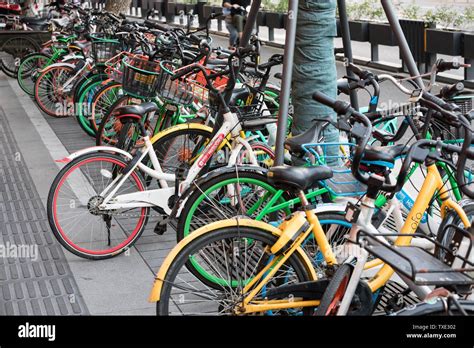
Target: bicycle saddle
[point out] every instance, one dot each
(384, 156)
(311, 136)
(298, 178)
(140, 110)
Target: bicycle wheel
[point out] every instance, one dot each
(128, 136)
(73, 213)
(109, 129)
(50, 94)
(335, 291)
(13, 50)
(28, 71)
(179, 146)
(231, 257)
(262, 152)
(242, 193)
(105, 97)
(84, 106)
(451, 238)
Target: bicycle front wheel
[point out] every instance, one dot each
(50, 93)
(231, 257)
(73, 207)
(13, 50)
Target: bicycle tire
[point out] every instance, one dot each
(83, 105)
(335, 291)
(13, 50)
(28, 71)
(47, 88)
(104, 134)
(181, 261)
(105, 97)
(58, 224)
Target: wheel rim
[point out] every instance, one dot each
(239, 256)
(49, 93)
(73, 201)
(255, 207)
(28, 72)
(13, 50)
(102, 102)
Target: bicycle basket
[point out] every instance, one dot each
(114, 67)
(250, 105)
(343, 183)
(103, 47)
(141, 77)
(182, 91)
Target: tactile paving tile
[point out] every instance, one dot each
(30, 286)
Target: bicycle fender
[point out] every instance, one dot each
(69, 57)
(94, 149)
(155, 293)
(337, 208)
(72, 66)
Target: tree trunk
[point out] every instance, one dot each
(117, 6)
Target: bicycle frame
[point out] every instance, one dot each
(160, 197)
(432, 185)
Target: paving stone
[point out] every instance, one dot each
(30, 286)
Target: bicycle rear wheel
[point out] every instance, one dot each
(73, 207)
(13, 50)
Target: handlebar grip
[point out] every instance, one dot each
(324, 99)
(245, 50)
(448, 92)
(215, 15)
(442, 65)
(155, 25)
(113, 17)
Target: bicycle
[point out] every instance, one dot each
(121, 173)
(233, 284)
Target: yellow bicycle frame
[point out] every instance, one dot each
(433, 183)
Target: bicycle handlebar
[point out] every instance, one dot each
(417, 153)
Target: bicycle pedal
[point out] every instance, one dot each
(160, 228)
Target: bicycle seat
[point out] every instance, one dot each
(140, 110)
(298, 178)
(309, 137)
(384, 156)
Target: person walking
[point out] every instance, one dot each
(235, 13)
(315, 69)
